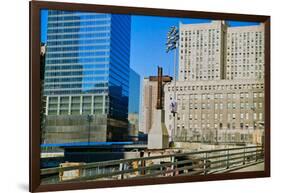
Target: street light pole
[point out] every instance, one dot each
(174, 98)
(89, 119)
(172, 44)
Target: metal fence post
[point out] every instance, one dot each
(139, 165)
(172, 164)
(262, 151)
(98, 170)
(121, 167)
(256, 154)
(205, 163)
(176, 167)
(244, 156)
(227, 159)
(161, 170)
(60, 172)
(143, 164)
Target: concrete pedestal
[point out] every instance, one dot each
(158, 137)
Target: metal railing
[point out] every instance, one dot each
(177, 164)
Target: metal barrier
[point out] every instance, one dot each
(177, 164)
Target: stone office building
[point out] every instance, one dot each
(220, 91)
(201, 48)
(221, 111)
(216, 51)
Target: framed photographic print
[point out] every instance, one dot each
(123, 96)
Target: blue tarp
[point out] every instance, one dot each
(77, 144)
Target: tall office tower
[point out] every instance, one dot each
(134, 104)
(201, 51)
(87, 76)
(245, 52)
(134, 94)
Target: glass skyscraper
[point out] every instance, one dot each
(86, 76)
(134, 92)
(134, 102)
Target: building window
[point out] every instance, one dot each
(255, 116)
(246, 105)
(241, 95)
(203, 96)
(203, 106)
(216, 116)
(260, 116)
(229, 105)
(220, 116)
(247, 116)
(255, 95)
(228, 125)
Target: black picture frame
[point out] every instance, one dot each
(35, 87)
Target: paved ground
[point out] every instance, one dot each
(257, 167)
(243, 168)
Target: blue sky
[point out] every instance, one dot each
(44, 20)
(148, 38)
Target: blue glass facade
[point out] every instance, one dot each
(88, 54)
(134, 93)
(119, 66)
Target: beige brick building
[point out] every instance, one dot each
(201, 48)
(245, 52)
(220, 87)
(215, 51)
(216, 111)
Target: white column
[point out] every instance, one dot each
(92, 105)
(81, 102)
(69, 105)
(103, 104)
(58, 106)
(47, 105)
